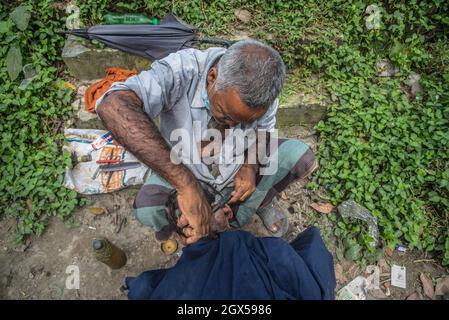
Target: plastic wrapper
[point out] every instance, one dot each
(85, 177)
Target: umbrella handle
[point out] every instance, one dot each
(219, 41)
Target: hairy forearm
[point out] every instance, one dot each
(250, 164)
(251, 157)
(122, 114)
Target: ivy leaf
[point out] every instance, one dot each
(353, 253)
(5, 26)
(435, 199)
(21, 17)
(14, 62)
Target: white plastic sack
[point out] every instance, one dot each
(83, 177)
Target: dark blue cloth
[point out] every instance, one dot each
(238, 265)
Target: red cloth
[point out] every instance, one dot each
(96, 90)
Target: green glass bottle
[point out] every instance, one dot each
(108, 253)
(128, 18)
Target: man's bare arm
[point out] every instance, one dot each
(123, 115)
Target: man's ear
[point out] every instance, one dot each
(212, 75)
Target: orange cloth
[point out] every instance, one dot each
(96, 90)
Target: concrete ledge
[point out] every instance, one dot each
(302, 114)
(306, 106)
(86, 61)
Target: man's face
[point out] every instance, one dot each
(227, 107)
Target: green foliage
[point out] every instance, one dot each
(32, 165)
(388, 152)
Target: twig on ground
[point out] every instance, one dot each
(424, 260)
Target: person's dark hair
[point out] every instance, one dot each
(254, 69)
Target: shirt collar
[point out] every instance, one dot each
(201, 99)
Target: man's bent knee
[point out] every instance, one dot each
(297, 157)
(150, 206)
(153, 217)
(305, 165)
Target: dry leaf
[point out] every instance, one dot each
(442, 286)
(69, 85)
(389, 251)
(413, 296)
(29, 205)
(322, 207)
(384, 268)
(243, 15)
(427, 285)
(339, 273)
(97, 210)
(376, 294)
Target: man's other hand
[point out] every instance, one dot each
(244, 183)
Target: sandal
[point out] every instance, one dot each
(270, 215)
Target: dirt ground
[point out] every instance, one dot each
(38, 270)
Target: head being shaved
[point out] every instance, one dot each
(255, 70)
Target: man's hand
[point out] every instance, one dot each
(244, 183)
(195, 212)
(123, 115)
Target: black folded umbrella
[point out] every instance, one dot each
(148, 41)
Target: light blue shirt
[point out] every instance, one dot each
(174, 89)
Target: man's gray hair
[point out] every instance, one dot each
(254, 69)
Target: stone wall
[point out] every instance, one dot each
(86, 61)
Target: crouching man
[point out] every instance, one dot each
(193, 91)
